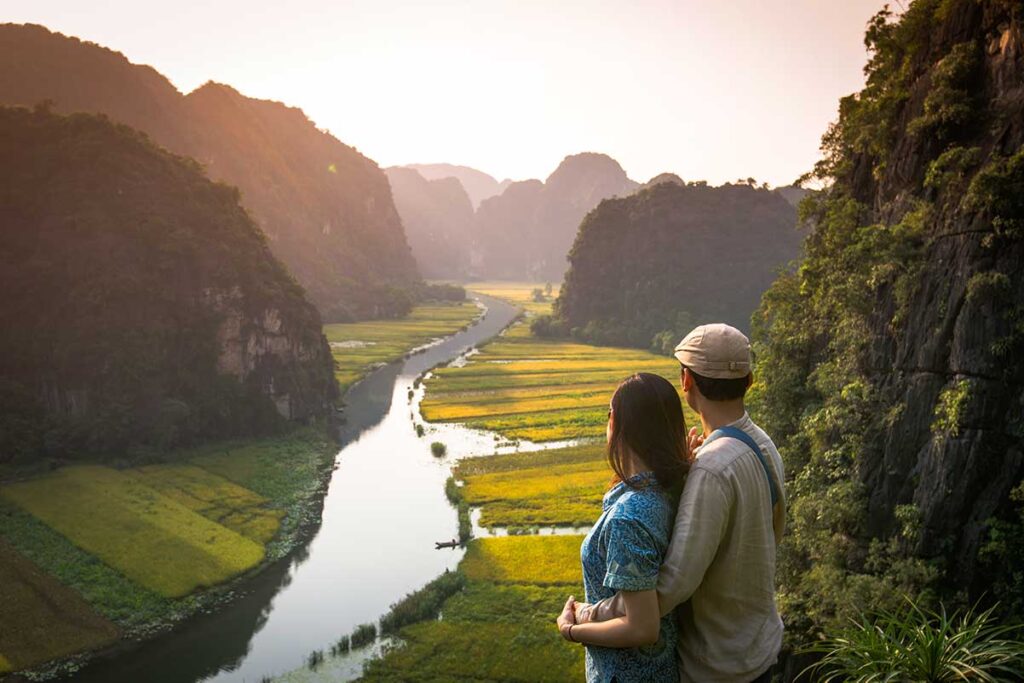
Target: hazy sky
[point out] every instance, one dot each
(714, 90)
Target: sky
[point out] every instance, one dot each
(713, 90)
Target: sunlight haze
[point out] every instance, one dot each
(708, 90)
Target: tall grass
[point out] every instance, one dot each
(915, 644)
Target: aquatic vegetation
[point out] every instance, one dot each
(359, 347)
(438, 449)
(43, 619)
(364, 634)
(150, 538)
(423, 605)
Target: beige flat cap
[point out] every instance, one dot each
(718, 351)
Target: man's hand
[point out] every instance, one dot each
(694, 440)
(584, 612)
(567, 618)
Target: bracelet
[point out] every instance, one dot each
(571, 639)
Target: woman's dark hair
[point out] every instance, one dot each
(648, 420)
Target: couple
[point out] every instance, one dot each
(684, 593)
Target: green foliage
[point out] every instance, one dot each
(438, 449)
(949, 408)
(1000, 557)
(646, 268)
(364, 634)
(127, 359)
(914, 644)
(998, 190)
(441, 291)
(950, 169)
(949, 106)
(423, 605)
(455, 496)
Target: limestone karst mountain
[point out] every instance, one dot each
(142, 306)
(438, 220)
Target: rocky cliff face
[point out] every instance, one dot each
(143, 307)
(326, 208)
(891, 363)
(438, 220)
(526, 231)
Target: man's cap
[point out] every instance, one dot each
(718, 351)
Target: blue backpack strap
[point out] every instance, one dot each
(739, 434)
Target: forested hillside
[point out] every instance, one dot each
(142, 307)
(645, 269)
(526, 232)
(890, 366)
(326, 209)
(438, 219)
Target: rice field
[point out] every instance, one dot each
(519, 293)
(153, 540)
(538, 390)
(216, 498)
(360, 347)
(42, 619)
(561, 487)
(501, 626)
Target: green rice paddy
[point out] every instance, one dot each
(360, 347)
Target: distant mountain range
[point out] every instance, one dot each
(326, 209)
(477, 184)
(520, 230)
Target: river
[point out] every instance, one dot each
(384, 508)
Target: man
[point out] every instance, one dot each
(720, 565)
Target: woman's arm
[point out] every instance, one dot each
(640, 625)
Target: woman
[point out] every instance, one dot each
(647, 450)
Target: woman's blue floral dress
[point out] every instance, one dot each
(623, 552)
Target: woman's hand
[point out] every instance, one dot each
(694, 440)
(567, 619)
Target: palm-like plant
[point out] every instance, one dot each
(921, 645)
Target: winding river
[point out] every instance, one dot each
(384, 508)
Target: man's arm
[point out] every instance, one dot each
(700, 524)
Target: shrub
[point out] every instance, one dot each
(423, 605)
(920, 645)
(438, 449)
(364, 634)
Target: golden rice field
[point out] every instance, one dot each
(501, 626)
(215, 498)
(549, 488)
(539, 390)
(360, 347)
(151, 538)
(519, 293)
(43, 619)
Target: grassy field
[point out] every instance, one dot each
(519, 293)
(540, 390)
(150, 538)
(43, 619)
(501, 626)
(561, 487)
(359, 347)
(129, 542)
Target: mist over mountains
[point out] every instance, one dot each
(326, 209)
